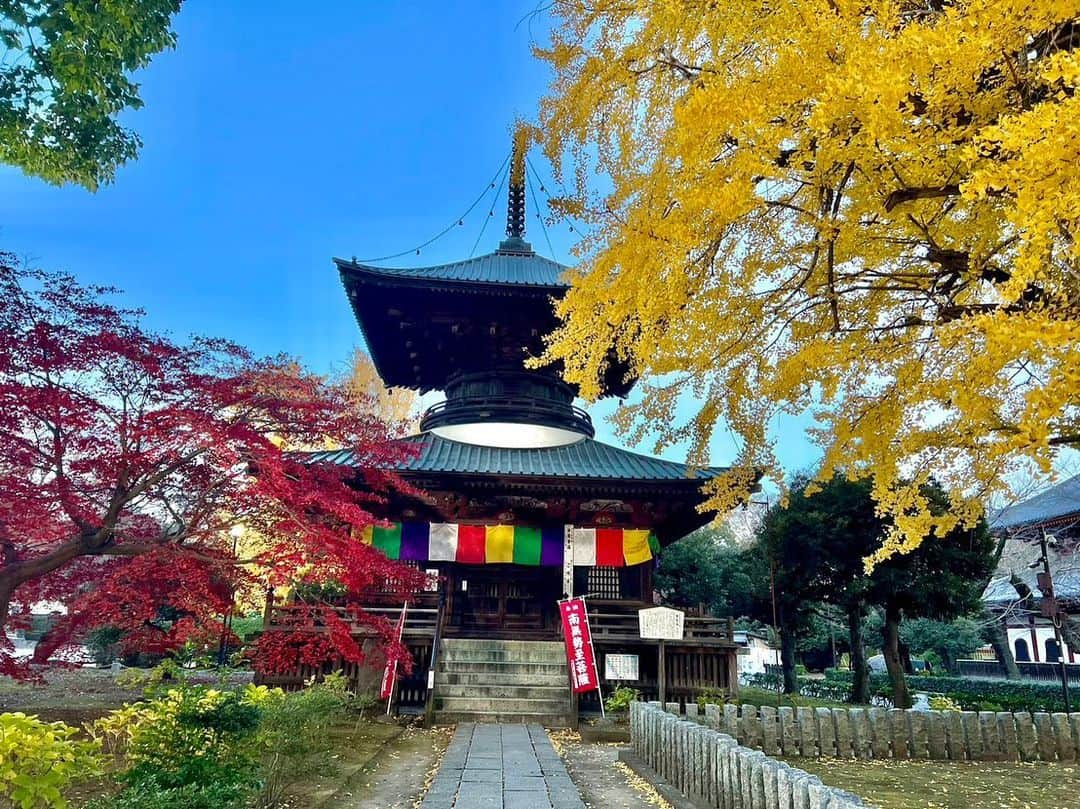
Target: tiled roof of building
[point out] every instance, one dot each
(1055, 511)
(502, 267)
(585, 459)
(1055, 503)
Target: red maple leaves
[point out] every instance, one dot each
(126, 458)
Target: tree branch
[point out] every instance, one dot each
(902, 195)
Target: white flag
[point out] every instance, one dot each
(442, 542)
(584, 546)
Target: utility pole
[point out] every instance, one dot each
(1049, 607)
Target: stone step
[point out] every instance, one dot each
(553, 720)
(488, 676)
(495, 692)
(503, 667)
(497, 643)
(484, 705)
(469, 653)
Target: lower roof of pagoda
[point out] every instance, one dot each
(586, 459)
(586, 483)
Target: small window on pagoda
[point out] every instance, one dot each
(604, 582)
(1053, 651)
(1021, 651)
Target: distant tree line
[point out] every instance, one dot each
(804, 575)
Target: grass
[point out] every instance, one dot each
(895, 784)
(760, 696)
(79, 695)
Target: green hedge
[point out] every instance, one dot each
(971, 695)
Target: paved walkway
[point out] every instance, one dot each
(502, 767)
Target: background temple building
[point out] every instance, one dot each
(1055, 515)
(522, 504)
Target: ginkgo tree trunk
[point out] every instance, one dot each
(126, 458)
(866, 210)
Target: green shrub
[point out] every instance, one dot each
(204, 748)
(103, 644)
(244, 626)
(969, 694)
(191, 748)
(39, 760)
(151, 793)
(292, 734)
(942, 703)
(621, 699)
(712, 696)
(166, 674)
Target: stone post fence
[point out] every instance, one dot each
(712, 769)
(881, 733)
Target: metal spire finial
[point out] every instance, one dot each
(515, 197)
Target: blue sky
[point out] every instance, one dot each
(277, 136)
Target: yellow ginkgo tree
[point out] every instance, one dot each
(866, 209)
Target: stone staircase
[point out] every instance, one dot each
(502, 681)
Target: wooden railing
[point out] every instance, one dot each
(420, 622)
(436, 642)
(622, 627)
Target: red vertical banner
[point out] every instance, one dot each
(579, 648)
(390, 672)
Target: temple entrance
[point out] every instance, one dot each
(504, 601)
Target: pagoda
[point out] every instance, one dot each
(522, 505)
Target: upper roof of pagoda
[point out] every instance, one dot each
(425, 326)
(501, 268)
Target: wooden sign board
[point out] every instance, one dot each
(621, 667)
(661, 623)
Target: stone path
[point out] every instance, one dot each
(502, 767)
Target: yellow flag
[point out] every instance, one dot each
(499, 543)
(635, 545)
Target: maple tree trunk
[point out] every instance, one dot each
(15, 574)
(7, 590)
(860, 684)
(891, 632)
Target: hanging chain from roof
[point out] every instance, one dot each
(458, 221)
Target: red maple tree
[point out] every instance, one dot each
(126, 458)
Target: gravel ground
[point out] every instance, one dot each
(605, 783)
(403, 770)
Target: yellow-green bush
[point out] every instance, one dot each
(38, 760)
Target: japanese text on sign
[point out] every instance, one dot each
(620, 667)
(579, 651)
(661, 623)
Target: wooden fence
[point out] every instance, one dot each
(883, 733)
(713, 769)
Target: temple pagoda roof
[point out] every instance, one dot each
(426, 326)
(1058, 503)
(501, 267)
(588, 459)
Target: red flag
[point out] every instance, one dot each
(579, 648)
(390, 672)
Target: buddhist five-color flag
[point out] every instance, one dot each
(506, 544)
